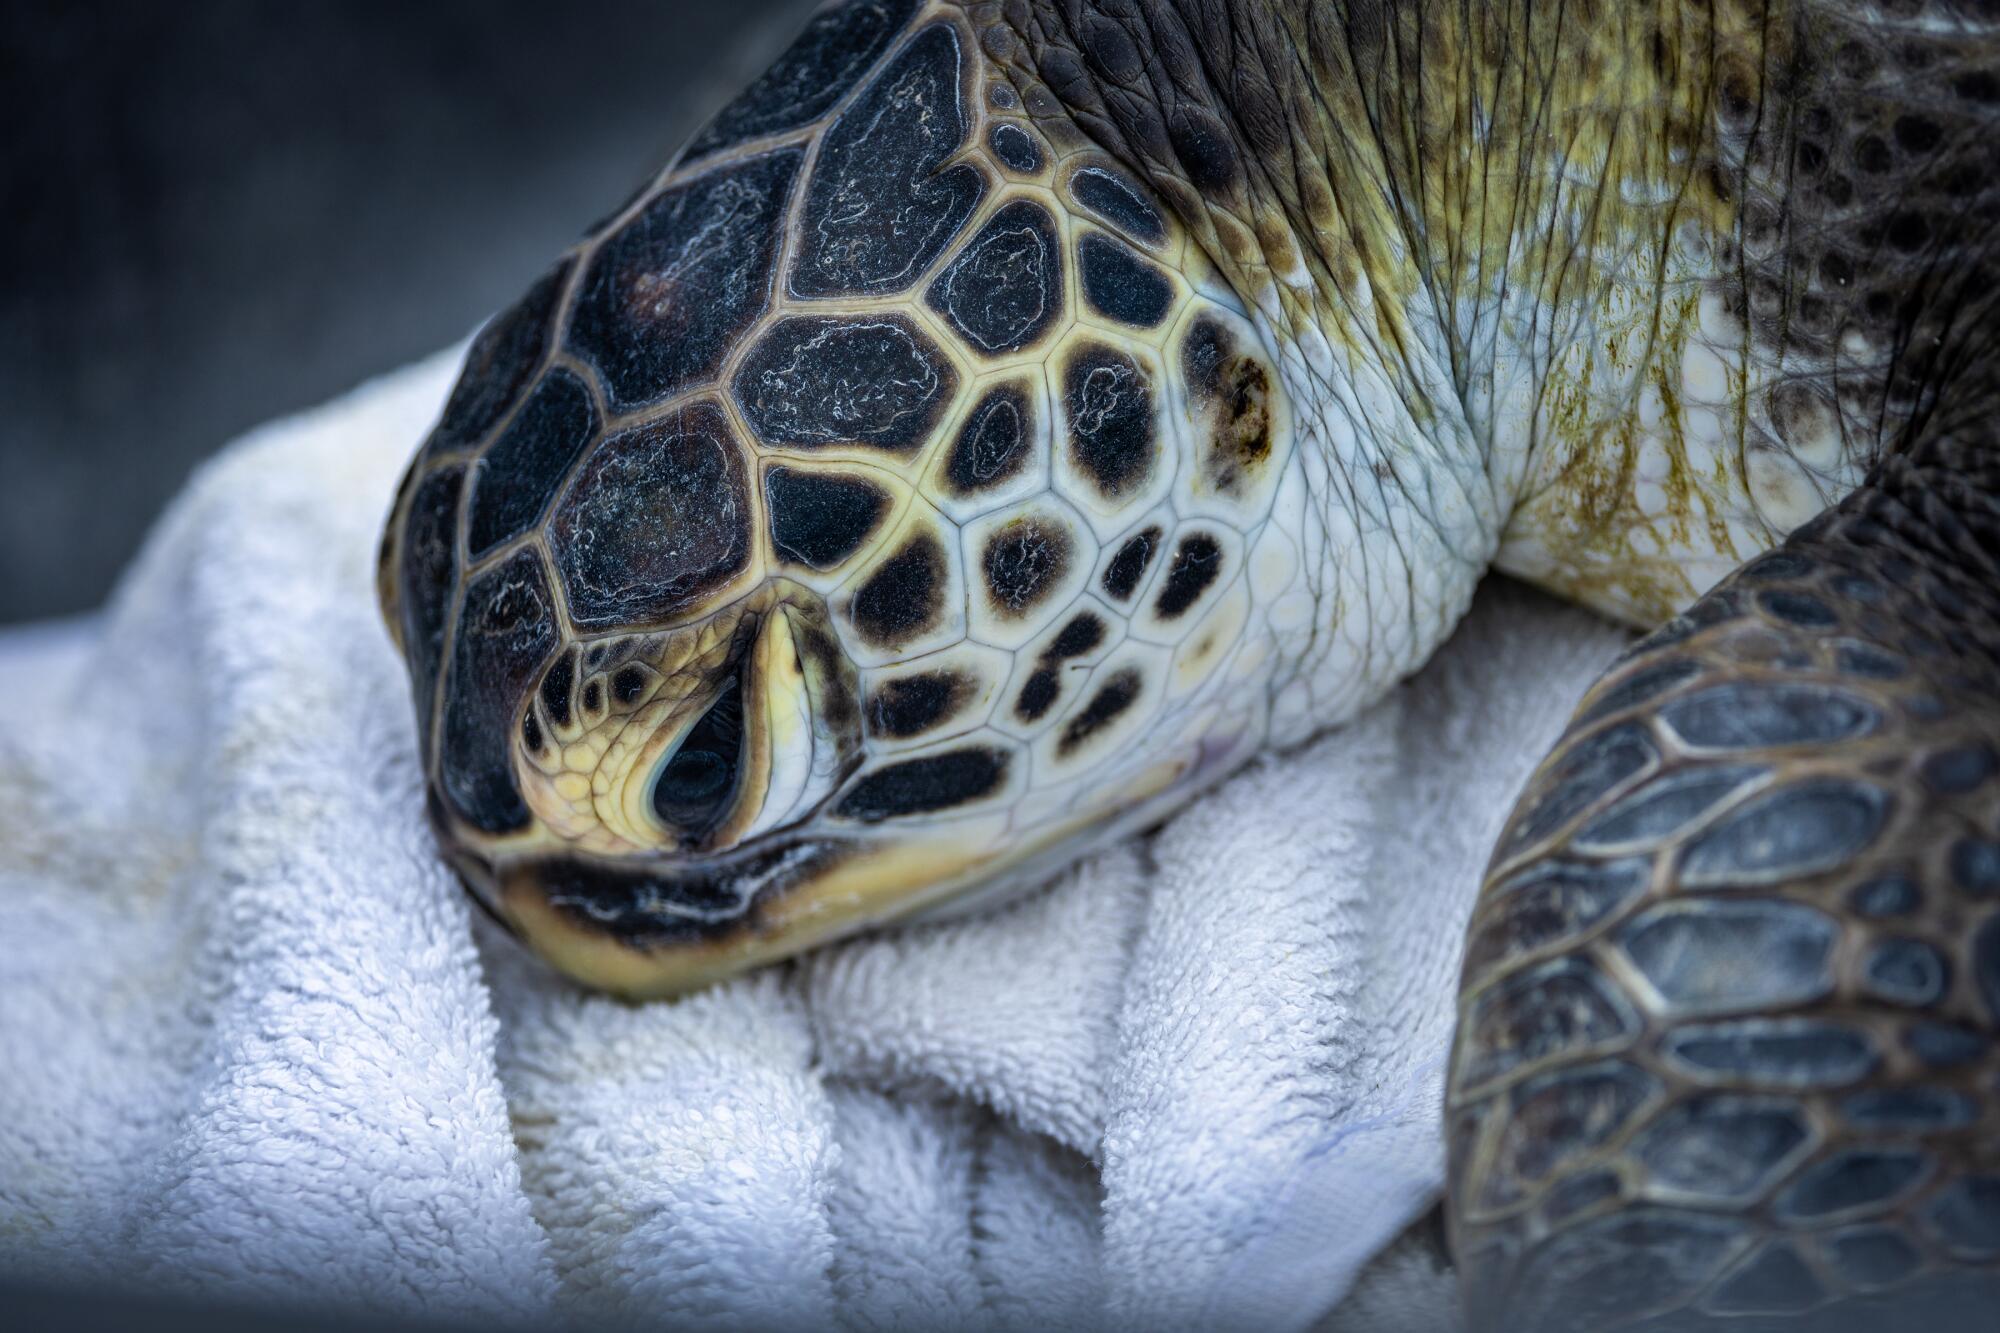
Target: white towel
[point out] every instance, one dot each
(255, 1045)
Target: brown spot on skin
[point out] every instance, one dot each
(1234, 391)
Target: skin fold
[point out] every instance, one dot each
(1007, 418)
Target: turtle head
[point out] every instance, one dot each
(868, 510)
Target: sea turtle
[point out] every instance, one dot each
(1003, 420)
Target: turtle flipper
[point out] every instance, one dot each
(1729, 1025)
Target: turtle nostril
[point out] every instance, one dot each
(695, 785)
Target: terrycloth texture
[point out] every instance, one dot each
(255, 1044)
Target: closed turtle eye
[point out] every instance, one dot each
(698, 783)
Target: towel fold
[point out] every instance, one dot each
(257, 1047)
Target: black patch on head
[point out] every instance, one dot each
(628, 685)
(1119, 285)
(992, 445)
(873, 380)
(881, 205)
(531, 731)
(506, 631)
(1114, 197)
(834, 51)
(526, 464)
(1005, 287)
(1044, 687)
(820, 519)
(1023, 560)
(1016, 148)
(428, 556)
(1109, 402)
(1113, 697)
(1129, 565)
(919, 786)
(658, 519)
(503, 357)
(1197, 563)
(556, 688)
(905, 596)
(905, 706)
(1078, 637)
(1040, 691)
(673, 290)
(593, 697)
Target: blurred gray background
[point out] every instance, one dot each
(219, 211)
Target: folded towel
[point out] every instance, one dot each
(256, 1045)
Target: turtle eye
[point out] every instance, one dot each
(696, 786)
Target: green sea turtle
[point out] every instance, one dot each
(1005, 419)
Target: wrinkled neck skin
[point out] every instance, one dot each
(1487, 245)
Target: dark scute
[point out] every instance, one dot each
(878, 208)
(1986, 965)
(506, 631)
(1774, 1281)
(658, 519)
(1109, 402)
(1119, 691)
(904, 596)
(1856, 1178)
(1128, 566)
(1799, 608)
(1024, 560)
(834, 51)
(1867, 661)
(905, 706)
(919, 786)
(1661, 808)
(429, 549)
(1715, 956)
(1037, 695)
(531, 732)
(1959, 769)
(1641, 686)
(1552, 903)
(1888, 896)
(1005, 287)
(1975, 865)
(1742, 714)
(1967, 1215)
(1121, 286)
(523, 469)
(1799, 1052)
(1799, 830)
(1571, 1195)
(1118, 200)
(871, 380)
(1873, 1256)
(557, 686)
(499, 364)
(1906, 971)
(628, 685)
(1588, 768)
(993, 444)
(1015, 148)
(672, 291)
(1560, 1009)
(1913, 1109)
(820, 519)
(1078, 637)
(1562, 1116)
(1944, 1045)
(1721, 1148)
(1777, 566)
(1197, 563)
(593, 697)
